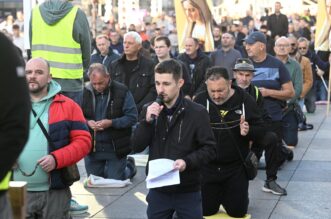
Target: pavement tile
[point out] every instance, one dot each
(302, 210)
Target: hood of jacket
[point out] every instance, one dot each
(53, 89)
(54, 10)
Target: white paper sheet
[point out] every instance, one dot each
(161, 173)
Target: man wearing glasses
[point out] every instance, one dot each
(318, 90)
(290, 128)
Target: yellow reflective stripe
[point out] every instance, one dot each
(256, 93)
(55, 43)
(4, 184)
(59, 49)
(65, 65)
(58, 34)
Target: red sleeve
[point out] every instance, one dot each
(80, 138)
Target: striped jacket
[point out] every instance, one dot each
(69, 133)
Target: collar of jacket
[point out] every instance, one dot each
(59, 98)
(238, 91)
(179, 106)
(123, 58)
(110, 52)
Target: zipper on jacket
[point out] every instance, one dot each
(180, 130)
(113, 143)
(111, 108)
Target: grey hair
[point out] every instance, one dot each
(281, 38)
(100, 68)
(303, 39)
(134, 35)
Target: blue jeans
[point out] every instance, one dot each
(290, 128)
(321, 92)
(112, 168)
(162, 205)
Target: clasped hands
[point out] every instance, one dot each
(99, 125)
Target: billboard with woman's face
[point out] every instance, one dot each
(194, 19)
(323, 26)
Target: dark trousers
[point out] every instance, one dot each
(310, 100)
(271, 142)
(162, 205)
(290, 128)
(227, 187)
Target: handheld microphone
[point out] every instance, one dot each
(158, 100)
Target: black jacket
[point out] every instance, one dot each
(188, 136)
(15, 106)
(225, 119)
(142, 84)
(197, 68)
(107, 60)
(278, 25)
(117, 139)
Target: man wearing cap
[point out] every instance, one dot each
(243, 75)
(236, 120)
(274, 82)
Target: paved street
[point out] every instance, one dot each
(307, 180)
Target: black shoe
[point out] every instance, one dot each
(131, 163)
(290, 155)
(302, 127)
(309, 126)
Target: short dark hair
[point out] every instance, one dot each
(216, 72)
(170, 66)
(165, 39)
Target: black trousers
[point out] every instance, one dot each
(271, 142)
(162, 205)
(227, 187)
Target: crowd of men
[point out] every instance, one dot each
(126, 90)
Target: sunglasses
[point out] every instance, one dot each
(302, 48)
(292, 44)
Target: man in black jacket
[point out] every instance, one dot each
(278, 22)
(14, 117)
(110, 111)
(197, 62)
(180, 132)
(236, 120)
(135, 71)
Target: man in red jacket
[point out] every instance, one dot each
(66, 140)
